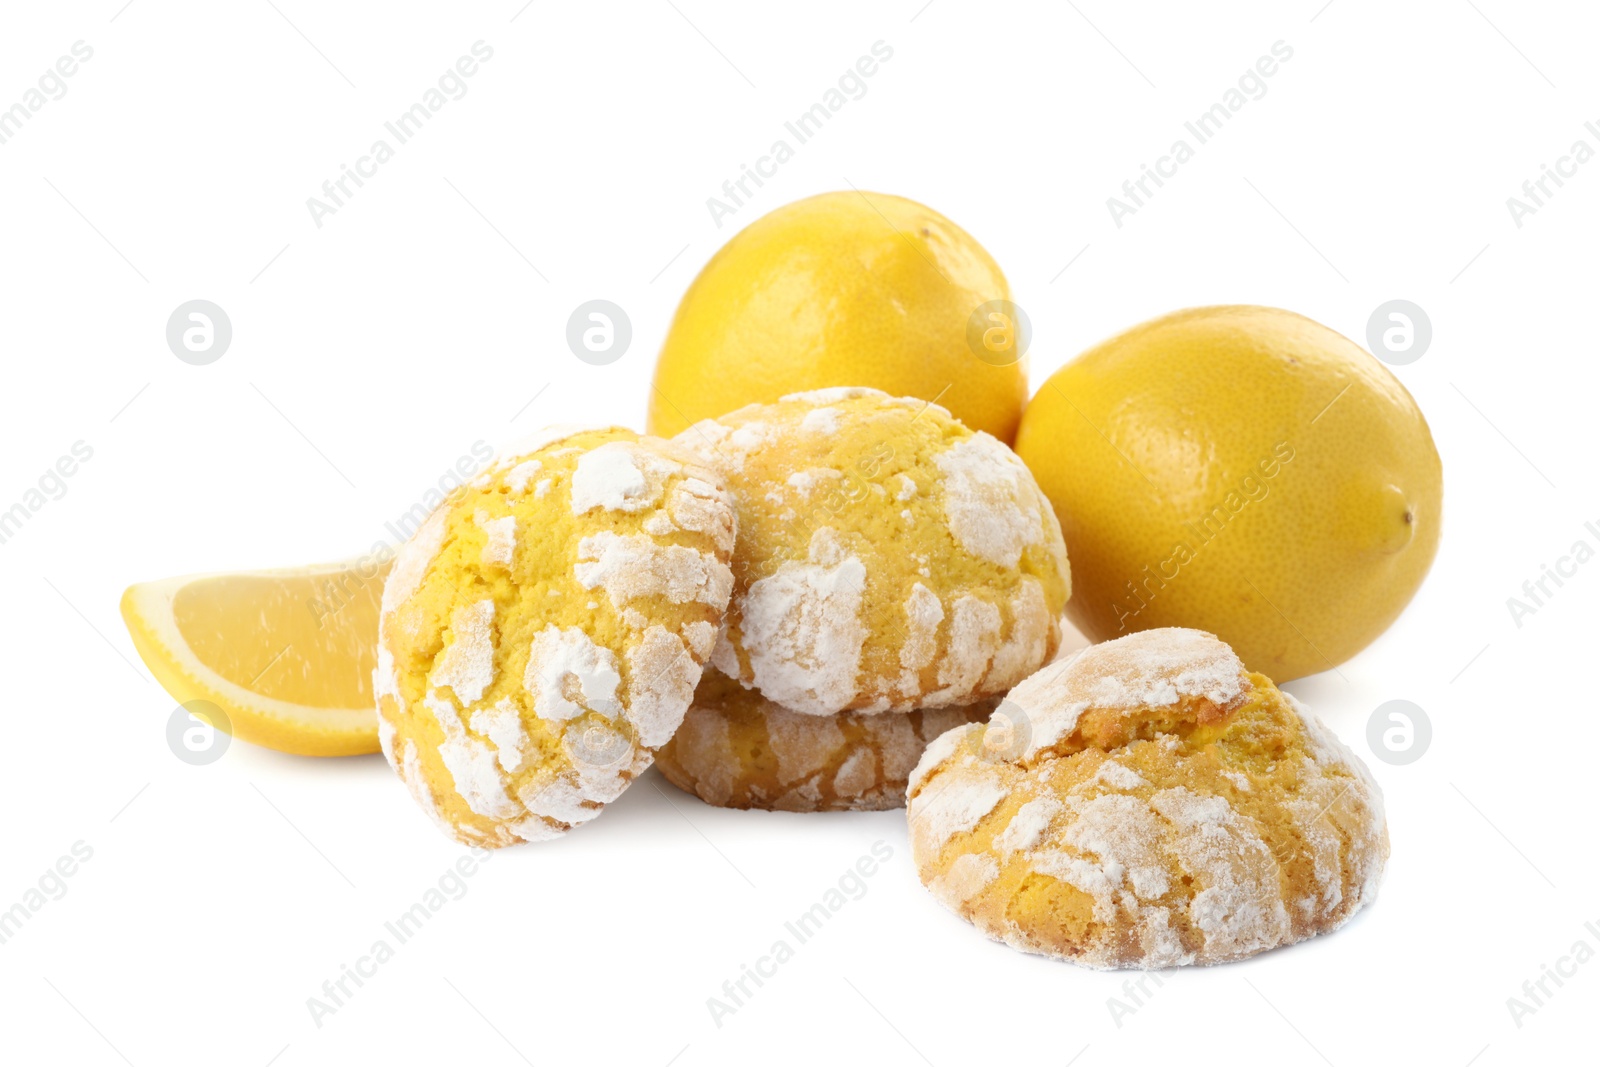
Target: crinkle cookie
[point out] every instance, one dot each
(1148, 804)
(737, 749)
(888, 559)
(543, 632)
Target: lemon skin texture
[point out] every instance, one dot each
(845, 288)
(1242, 470)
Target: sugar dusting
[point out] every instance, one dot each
(630, 566)
(968, 876)
(502, 724)
(558, 797)
(831, 395)
(619, 476)
(466, 665)
(472, 764)
(500, 541)
(821, 420)
(1027, 827)
(802, 630)
(518, 477)
(990, 499)
(1117, 776)
(568, 674)
(924, 613)
(936, 815)
(661, 680)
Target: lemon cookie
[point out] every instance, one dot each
(736, 749)
(1148, 804)
(888, 558)
(542, 634)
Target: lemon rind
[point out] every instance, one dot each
(277, 724)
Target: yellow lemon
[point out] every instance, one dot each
(846, 288)
(1241, 470)
(286, 655)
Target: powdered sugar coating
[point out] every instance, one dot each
(472, 764)
(467, 664)
(502, 725)
(820, 420)
(937, 815)
(518, 477)
(569, 675)
(500, 539)
(990, 499)
(620, 476)
(803, 630)
(830, 395)
(629, 567)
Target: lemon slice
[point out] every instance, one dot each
(287, 655)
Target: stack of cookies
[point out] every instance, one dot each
(895, 574)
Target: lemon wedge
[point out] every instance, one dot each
(287, 655)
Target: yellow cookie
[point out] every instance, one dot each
(888, 558)
(737, 749)
(543, 632)
(1148, 804)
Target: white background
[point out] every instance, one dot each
(370, 353)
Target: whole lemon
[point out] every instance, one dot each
(845, 288)
(1242, 470)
